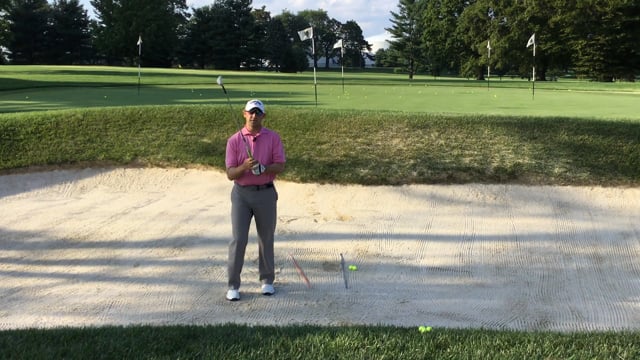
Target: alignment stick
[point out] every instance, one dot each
(300, 272)
(344, 273)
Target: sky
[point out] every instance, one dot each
(372, 15)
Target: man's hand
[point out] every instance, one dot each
(250, 163)
(234, 173)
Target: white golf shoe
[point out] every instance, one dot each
(233, 295)
(268, 289)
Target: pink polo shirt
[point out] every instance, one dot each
(266, 147)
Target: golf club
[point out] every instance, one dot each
(238, 124)
(344, 273)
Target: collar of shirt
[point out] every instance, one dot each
(251, 135)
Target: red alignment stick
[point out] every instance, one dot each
(300, 272)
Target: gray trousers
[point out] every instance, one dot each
(261, 205)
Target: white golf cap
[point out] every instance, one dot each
(254, 104)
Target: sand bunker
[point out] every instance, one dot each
(148, 246)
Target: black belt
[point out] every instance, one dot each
(257, 187)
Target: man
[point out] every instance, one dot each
(255, 155)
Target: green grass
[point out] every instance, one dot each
(332, 146)
(311, 342)
(381, 130)
(37, 88)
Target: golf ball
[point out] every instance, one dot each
(424, 329)
(353, 267)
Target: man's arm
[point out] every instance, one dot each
(275, 168)
(236, 172)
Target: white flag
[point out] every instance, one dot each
(532, 40)
(139, 40)
(306, 34)
(338, 45)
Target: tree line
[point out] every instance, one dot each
(229, 34)
(595, 39)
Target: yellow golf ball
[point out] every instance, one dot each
(424, 329)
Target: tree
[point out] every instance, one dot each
(354, 44)
(69, 40)
(407, 34)
(276, 45)
(28, 25)
(536, 16)
(245, 41)
(4, 29)
(223, 36)
(121, 22)
(325, 33)
(604, 36)
(387, 58)
(196, 49)
(258, 42)
(106, 30)
(442, 39)
(556, 55)
(509, 25)
(294, 58)
(326, 42)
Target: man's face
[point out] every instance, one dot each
(253, 118)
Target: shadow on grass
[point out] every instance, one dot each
(128, 95)
(578, 151)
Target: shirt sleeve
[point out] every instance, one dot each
(278, 150)
(232, 155)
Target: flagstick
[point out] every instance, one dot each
(343, 80)
(342, 63)
(532, 41)
(138, 77)
(488, 66)
(307, 34)
(533, 89)
(139, 61)
(315, 81)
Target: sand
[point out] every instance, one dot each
(115, 246)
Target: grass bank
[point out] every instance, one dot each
(333, 146)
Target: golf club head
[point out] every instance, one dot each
(221, 83)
